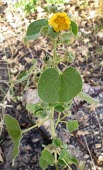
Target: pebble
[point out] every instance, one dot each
(99, 168)
(98, 137)
(101, 116)
(93, 126)
(96, 132)
(97, 146)
(101, 95)
(88, 161)
(100, 158)
(86, 156)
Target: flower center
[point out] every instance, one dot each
(60, 20)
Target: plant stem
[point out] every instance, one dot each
(52, 123)
(67, 164)
(56, 164)
(58, 120)
(37, 125)
(54, 52)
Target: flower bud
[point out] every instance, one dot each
(37, 76)
(47, 57)
(52, 8)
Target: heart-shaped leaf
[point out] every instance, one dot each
(59, 87)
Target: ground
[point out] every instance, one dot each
(15, 57)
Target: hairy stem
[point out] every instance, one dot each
(37, 125)
(56, 163)
(54, 52)
(58, 120)
(67, 164)
(52, 123)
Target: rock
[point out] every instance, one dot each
(86, 156)
(31, 96)
(93, 126)
(86, 87)
(82, 118)
(100, 158)
(101, 116)
(96, 133)
(97, 145)
(75, 152)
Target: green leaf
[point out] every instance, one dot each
(52, 34)
(46, 159)
(57, 142)
(69, 57)
(44, 30)
(47, 155)
(33, 31)
(61, 162)
(59, 108)
(63, 153)
(33, 108)
(65, 158)
(81, 165)
(24, 78)
(74, 27)
(41, 114)
(64, 146)
(67, 36)
(73, 160)
(25, 75)
(15, 133)
(72, 125)
(32, 68)
(43, 163)
(16, 148)
(87, 98)
(57, 86)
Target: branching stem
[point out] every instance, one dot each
(56, 163)
(34, 126)
(52, 123)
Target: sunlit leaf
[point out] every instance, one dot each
(74, 27)
(33, 31)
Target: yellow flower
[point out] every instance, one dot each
(60, 21)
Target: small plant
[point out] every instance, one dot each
(29, 6)
(57, 1)
(56, 89)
